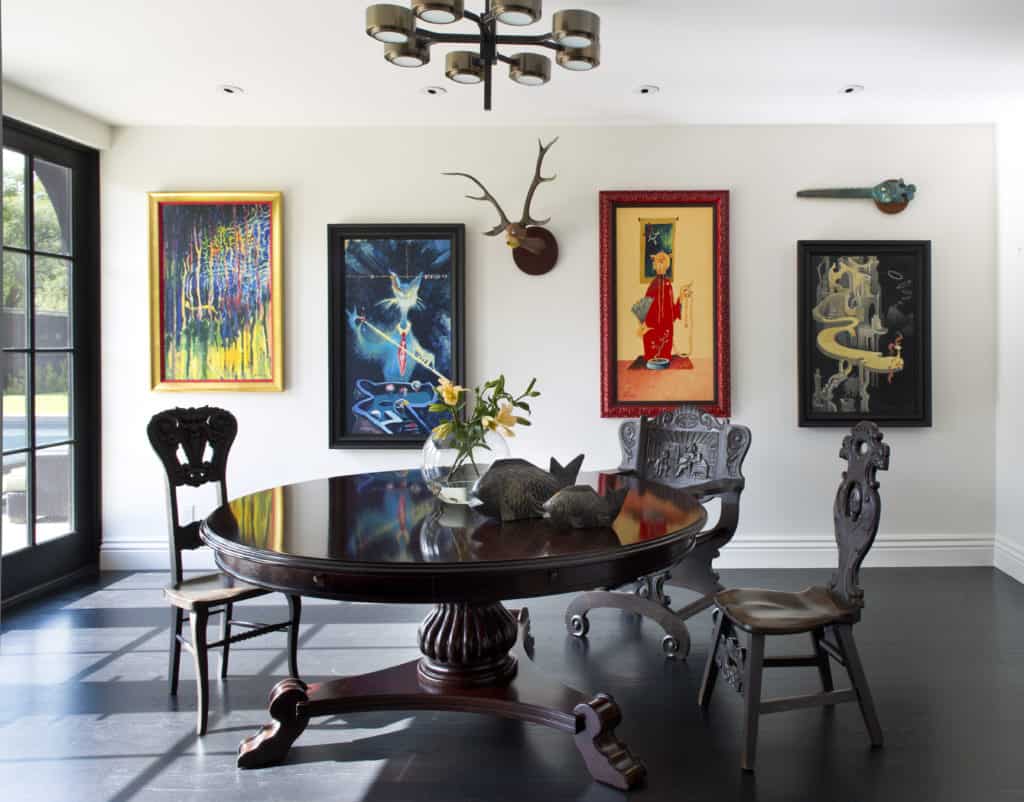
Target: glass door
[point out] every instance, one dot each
(49, 355)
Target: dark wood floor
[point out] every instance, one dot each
(84, 711)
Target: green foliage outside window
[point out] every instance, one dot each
(51, 275)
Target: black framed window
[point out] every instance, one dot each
(49, 357)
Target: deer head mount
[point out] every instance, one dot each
(534, 248)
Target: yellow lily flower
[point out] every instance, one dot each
(506, 419)
(449, 392)
(442, 430)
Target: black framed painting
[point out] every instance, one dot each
(395, 297)
(864, 310)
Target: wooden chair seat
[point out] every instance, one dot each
(776, 612)
(208, 590)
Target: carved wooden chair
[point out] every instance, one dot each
(684, 447)
(817, 611)
(193, 446)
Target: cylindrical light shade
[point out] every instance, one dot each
(409, 54)
(576, 28)
(530, 69)
(440, 12)
(464, 67)
(390, 24)
(580, 59)
(517, 12)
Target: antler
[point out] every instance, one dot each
(537, 181)
(487, 196)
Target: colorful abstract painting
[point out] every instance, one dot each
(395, 318)
(216, 288)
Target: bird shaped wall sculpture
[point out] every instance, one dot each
(891, 196)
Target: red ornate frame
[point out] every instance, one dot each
(609, 201)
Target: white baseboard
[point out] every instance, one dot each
(745, 551)
(150, 555)
(1008, 557)
(889, 551)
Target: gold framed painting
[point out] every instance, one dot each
(216, 313)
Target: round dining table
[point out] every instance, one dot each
(383, 537)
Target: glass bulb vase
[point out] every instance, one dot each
(451, 473)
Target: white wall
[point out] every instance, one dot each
(29, 107)
(938, 494)
(1009, 545)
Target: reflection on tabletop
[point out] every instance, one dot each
(392, 517)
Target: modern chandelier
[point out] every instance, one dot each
(574, 37)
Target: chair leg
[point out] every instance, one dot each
(711, 669)
(295, 608)
(225, 634)
(824, 661)
(752, 699)
(198, 620)
(174, 652)
(860, 682)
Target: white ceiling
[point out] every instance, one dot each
(308, 62)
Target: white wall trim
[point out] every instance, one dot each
(1008, 557)
(150, 555)
(745, 551)
(891, 551)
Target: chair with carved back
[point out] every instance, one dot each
(683, 447)
(820, 611)
(193, 445)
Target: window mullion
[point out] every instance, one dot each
(30, 366)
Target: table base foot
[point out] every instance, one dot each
(608, 759)
(270, 745)
(526, 696)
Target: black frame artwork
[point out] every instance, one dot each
(880, 308)
(351, 316)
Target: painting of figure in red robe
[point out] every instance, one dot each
(665, 313)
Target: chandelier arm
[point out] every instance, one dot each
(542, 39)
(437, 37)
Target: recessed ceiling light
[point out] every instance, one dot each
(434, 90)
(851, 89)
(230, 89)
(648, 89)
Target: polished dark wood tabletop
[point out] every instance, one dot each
(385, 537)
